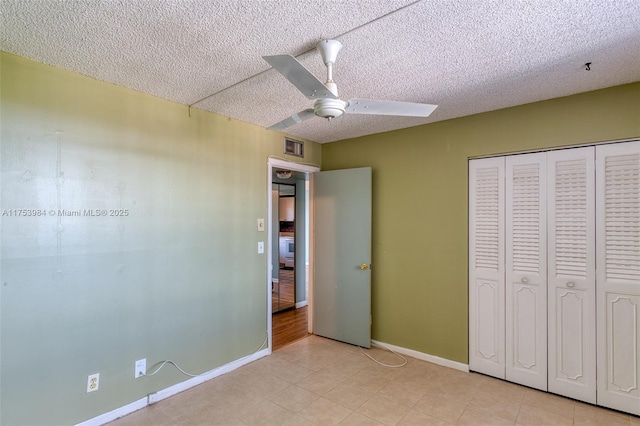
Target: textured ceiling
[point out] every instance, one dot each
(467, 56)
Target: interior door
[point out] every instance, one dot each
(618, 275)
(572, 280)
(342, 285)
(526, 270)
(486, 266)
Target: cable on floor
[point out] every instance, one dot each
(168, 361)
(404, 360)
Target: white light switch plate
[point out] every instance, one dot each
(260, 247)
(260, 225)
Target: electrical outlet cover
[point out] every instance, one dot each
(140, 368)
(93, 382)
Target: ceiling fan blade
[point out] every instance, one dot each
(407, 109)
(294, 119)
(299, 76)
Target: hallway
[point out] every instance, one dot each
(289, 326)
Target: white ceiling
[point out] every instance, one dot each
(467, 56)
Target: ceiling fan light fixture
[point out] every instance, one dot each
(329, 108)
(283, 174)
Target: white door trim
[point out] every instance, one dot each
(290, 165)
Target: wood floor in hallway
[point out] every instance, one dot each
(289, 326)
(283, 292)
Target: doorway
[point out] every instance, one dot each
(283, 287)
(343, 200)
(289, 251)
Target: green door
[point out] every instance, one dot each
(342, 288)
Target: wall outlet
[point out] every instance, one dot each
(140, 368)
(93, 382)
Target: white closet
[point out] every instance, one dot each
(554, 271)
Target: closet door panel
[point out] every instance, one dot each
(618, 275)
(526, 270)
(571, 274)
(486, 266)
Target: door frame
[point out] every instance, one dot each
(309, 170)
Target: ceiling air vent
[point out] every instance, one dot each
(293, 147)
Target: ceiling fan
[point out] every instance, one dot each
(328, 105)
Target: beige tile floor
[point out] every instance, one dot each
(318, 381)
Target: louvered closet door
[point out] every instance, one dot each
(571, 286)
(618, 275)
(486, 266)
(526, 270)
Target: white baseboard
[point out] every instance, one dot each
(115, 414)
(301, 304)
(195, 381)
(172, 390)
(424, 357)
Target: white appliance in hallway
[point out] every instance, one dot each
(287, 251)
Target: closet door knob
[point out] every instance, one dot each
(571, 284)
(364, 266)
(524, 280)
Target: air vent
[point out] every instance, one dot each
(293, 147)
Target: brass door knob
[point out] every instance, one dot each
(363, 266)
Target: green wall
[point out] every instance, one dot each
(419, 275)
(178, 278)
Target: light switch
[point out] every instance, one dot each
(260, 225)
(260, 247)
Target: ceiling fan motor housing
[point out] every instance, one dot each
(329, 108)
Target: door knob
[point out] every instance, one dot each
(363, 266)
